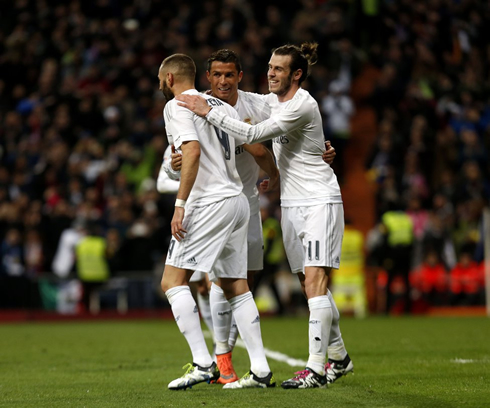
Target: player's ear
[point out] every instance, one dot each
(208, 76)
(240, 75)
(297, 74)
(170, 78)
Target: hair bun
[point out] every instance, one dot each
(308, 49)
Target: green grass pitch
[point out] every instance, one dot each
(399, 362)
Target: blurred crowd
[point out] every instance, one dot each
(430, 161)
(82, 135)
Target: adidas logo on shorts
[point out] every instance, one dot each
(192, 261)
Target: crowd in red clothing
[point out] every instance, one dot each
(462, 285)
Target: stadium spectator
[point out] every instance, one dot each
(338, 109)
(64, 258)
(12, 254)
(349, 281)
(466, 279)
(397, 226)
(431, 279)
(91, 264)
(14, 283)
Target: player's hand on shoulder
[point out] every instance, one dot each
(195, 103)
(329, 154)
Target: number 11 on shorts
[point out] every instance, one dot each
(317, 250)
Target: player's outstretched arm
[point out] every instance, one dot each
(278, 125)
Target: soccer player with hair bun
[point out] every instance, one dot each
(312, 210)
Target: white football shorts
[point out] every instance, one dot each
(255, 248)
(216, 239)
(313, 235)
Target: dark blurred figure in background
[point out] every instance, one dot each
(431, 279)
(91, 263)
(397, 227)
(466, 279)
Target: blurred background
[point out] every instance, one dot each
(404, 88)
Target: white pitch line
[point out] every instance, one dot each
(468, 361)
(274, 355)
(462, 361)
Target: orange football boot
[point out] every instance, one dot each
(227, 372)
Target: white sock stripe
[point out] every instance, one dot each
(240, 299)
(175, 292)
(319, 302)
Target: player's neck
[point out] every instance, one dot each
(181, 88)
(289, 94)
(230, 101)
(233, 100)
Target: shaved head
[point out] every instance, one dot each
(181, 66)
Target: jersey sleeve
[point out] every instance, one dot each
(293, 117)
(181, 126)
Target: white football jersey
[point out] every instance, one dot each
(217, 177)
(251, 109)
(296, 127)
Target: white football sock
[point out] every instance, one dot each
(205, 309)
(186, 315)
(319, 330)
(336, 348)
(248, 322)
(221, 313)
(233, 333)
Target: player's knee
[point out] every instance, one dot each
(164, 285)
(316, 282)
